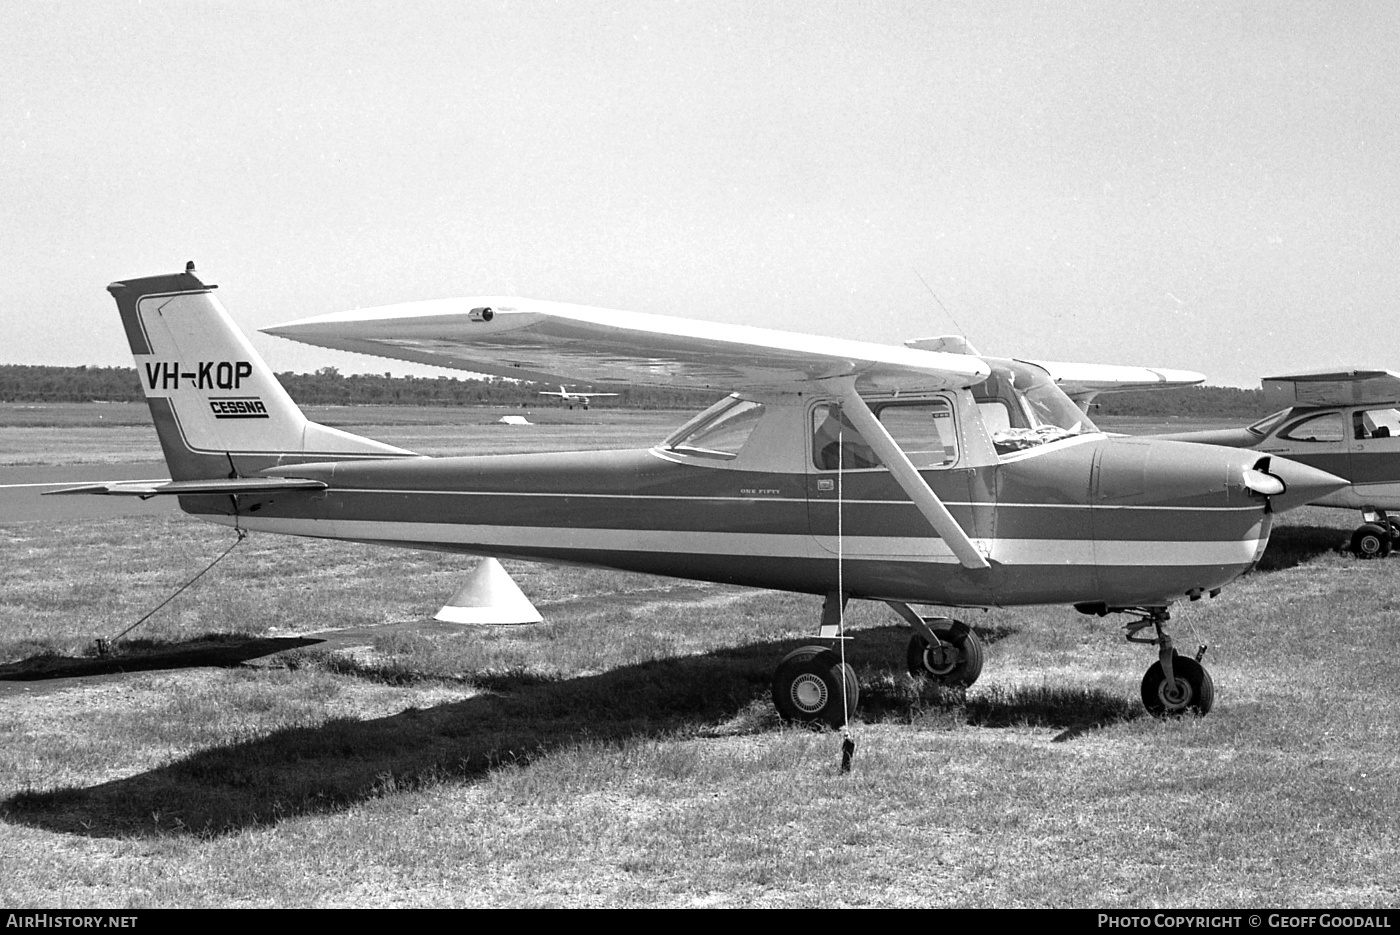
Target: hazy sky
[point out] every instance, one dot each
(1202, 185)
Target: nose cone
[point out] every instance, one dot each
(1301, 484)
(1133, 471)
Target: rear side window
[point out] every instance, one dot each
(1377, 423)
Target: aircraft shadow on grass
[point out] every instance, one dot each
(331, 767)
(146, 656)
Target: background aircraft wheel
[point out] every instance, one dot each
(1194, 691)
(807, 687)
(957, 662)
(1371, 541)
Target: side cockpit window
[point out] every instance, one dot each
(924, 430)
(1323, 428)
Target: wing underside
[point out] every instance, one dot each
(549, 341)
(1106, 378)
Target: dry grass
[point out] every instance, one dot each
(626, 754)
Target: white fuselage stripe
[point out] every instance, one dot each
(290, 471)
(1125, 552)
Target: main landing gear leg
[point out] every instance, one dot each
(812, 685)
(942, 649)
(1174, 684)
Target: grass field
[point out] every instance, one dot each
(625, 753)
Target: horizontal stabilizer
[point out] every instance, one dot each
(157, 488)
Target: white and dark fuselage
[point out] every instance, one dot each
(773, 487)
(1081, 520)
(839, 468)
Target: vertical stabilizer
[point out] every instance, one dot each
(217, 407)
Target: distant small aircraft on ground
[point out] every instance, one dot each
(572, 399)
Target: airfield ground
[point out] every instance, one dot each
(294, 731)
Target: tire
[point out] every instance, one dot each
(1195, 692)
(1371, 541)
(807, 688)
(961, 667)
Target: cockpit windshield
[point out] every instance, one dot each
(1023, 408)
(718, 432)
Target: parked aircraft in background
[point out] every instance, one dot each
(573, 399)
(837, 467)
(1344, 422)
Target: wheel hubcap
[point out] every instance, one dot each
(809, 693)
(941, 659)
(1175, 696)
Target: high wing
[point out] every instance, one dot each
(551, 341)
(1332, 388)
(536, 340)
(1080, 382)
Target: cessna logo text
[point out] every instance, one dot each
(205, 375)
(245, 407)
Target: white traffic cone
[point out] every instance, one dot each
(489, 597)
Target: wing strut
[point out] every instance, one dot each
(908, 477)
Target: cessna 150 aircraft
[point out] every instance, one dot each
(1344, 422)
(836, 467)
(573, 399)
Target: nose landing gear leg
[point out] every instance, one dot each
(1174, 684)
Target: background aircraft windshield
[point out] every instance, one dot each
(1270, 422)
(1022, 407)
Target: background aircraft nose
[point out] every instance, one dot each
(1302, 484)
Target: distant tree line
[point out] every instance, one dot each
(1203, 401)
(328, 386)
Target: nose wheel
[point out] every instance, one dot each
(1190, 690)
(1174, 684)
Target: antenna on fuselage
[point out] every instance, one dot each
(940, 303)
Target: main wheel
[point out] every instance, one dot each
(957, 660)
(810, 686)
(1194, 691)
(1371, 541)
